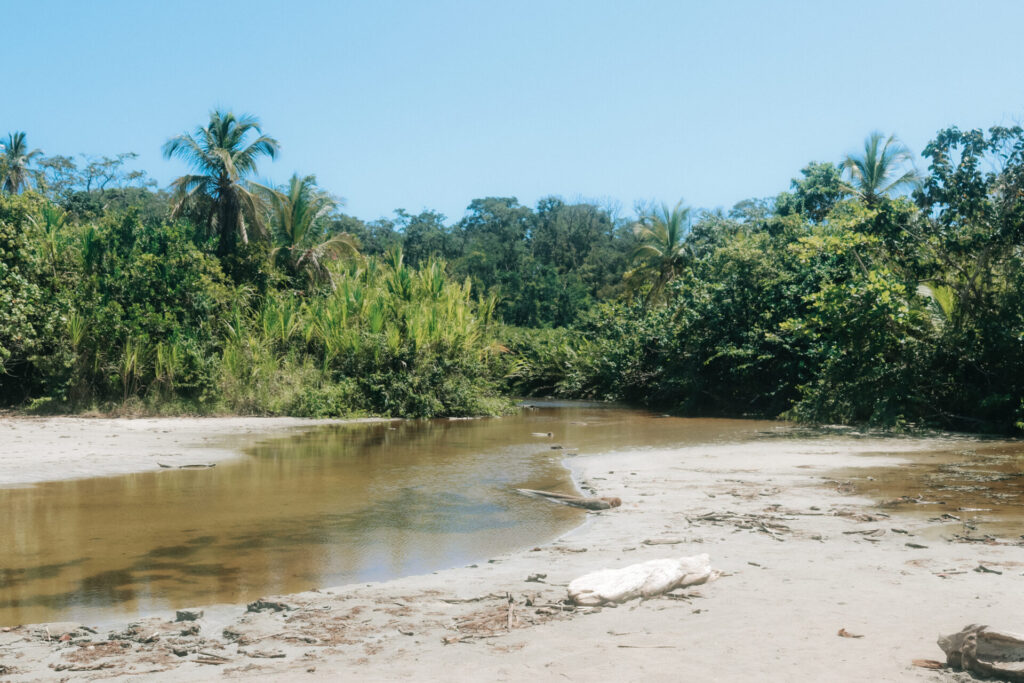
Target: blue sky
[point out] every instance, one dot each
(426, 104)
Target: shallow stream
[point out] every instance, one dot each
(330, 506)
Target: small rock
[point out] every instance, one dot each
(536, 578)
(262, 604)
(188, 614)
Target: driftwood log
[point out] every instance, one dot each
(978, 650)
(643, 580)
(197, 466)
(574, 501)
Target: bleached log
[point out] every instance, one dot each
(574, 501)
(643, 580)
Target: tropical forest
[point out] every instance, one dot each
(885, 288)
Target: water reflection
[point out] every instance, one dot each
(336, 505)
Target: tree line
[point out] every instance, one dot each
(869, 292)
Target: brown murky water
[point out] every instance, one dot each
(970, 490)
(331, 506)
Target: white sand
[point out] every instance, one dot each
(776, 620)
(51, 448)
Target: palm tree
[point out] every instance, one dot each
(222, 158)
(52, 226)
(295, 213)
(881, 170)
(662, 252)
(16, 159)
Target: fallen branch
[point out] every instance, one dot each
(459, 601)
(511, 612)
(197, 466)
(83, 667)
(574, 501)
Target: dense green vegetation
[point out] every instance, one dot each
(867, 293)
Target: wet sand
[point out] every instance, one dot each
(803, 554)
(38, 449)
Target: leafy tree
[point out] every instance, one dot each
(424, 236)
(881, 170)
(496, 228)
(712, 230)
(494, 235)
(866, 337)
(972, 266)
(373, 238)
(60, 176)
(17, 159)
(29, 318)
(216, 195)
(751, 210)
(814, 195)
(61, 179)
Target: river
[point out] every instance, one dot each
(335, 505)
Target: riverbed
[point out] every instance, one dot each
(817, 533)
(337, 504)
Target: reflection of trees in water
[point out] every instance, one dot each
(411, 510)
(421, 437)
(13, 577)
(117, 586)
(350, 502)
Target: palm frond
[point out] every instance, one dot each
(221, 161)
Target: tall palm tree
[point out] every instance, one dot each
(16, 159)
(881, 170)
(662, 252)
(216, 193)
(295, 214)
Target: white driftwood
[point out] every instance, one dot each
(574, 501)
(645, 580)
(999, 654)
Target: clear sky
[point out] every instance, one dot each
(425, 104)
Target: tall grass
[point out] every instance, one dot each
(387, 339)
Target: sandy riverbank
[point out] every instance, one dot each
(794, 576)
(36, 449)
